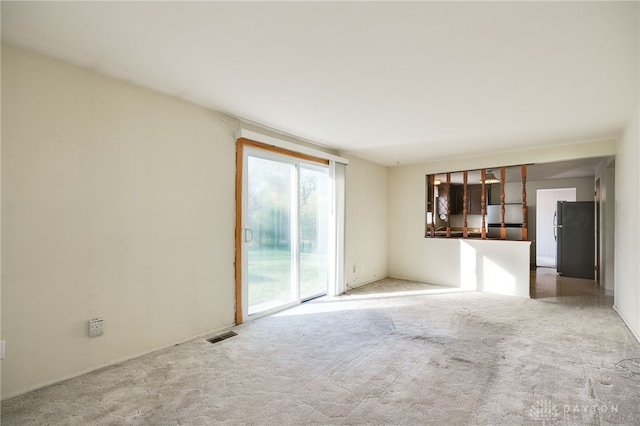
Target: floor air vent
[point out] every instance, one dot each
(221, 337)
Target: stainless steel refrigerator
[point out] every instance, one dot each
(574, 226)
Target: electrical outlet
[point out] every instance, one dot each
(96, 327)
(354, 269)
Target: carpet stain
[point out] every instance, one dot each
(628, 367)
(455, 358)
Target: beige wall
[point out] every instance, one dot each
(366, 235)
(118, 202)
(492, 266)
(627, 231)
(1, 238)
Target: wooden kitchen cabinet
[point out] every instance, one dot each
(474, 198)
(456, 196)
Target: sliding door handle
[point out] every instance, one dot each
(248, 235)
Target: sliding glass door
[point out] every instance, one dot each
(269, 234)
(314, 198)
(285, 231)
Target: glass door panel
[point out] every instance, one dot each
(268, 235)
(314, 199)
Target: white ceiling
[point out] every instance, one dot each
(392, 82)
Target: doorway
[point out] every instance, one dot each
(285, 227)
(546, 203)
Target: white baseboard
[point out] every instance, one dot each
(615, 308)
(111, 362)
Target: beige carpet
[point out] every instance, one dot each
(387, 354)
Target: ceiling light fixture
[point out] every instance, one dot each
(490, 178)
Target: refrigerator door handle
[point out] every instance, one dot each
(555, 225)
